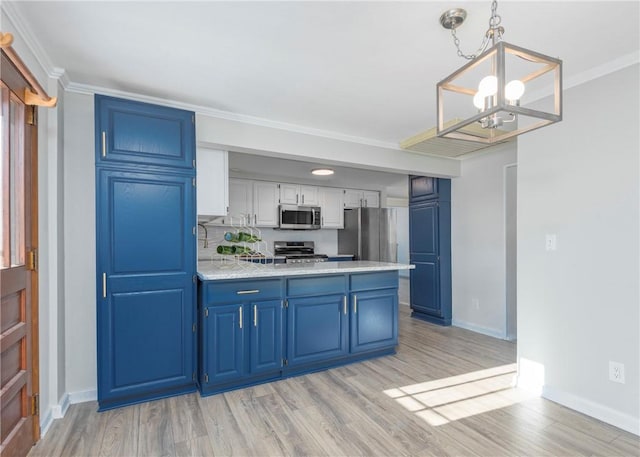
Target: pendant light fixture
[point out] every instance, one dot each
(484, 100)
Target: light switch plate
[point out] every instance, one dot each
(551, 242)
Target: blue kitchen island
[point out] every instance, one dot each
(260, 323)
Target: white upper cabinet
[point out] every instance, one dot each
(240, 201)
(265, 204)
(252, 203)
(296, 194)
(332, 204)
(212, 179)
(354, 198)
(371, 199)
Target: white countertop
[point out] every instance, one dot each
(212, 270)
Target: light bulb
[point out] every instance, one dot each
(488, 86)
(514, 90)
(478, 100)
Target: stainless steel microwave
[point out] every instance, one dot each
(294, 217)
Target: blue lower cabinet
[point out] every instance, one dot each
(222, 328)
(317, 329)
(374, 320)
(266, 337)
(255, 331)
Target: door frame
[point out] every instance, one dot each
(511, 303)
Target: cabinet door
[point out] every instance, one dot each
(424, 253)
(423, 230)
(353, 198)
(240, 202)
(265, 204)
(145, 264)
(374, 320)
(212, 182)
(223, 351)
(289, 194)
(371, 199)
(144, 134)
(266, 336)
(332, 204)
(425, 288)
(309, 196)
(317, 329)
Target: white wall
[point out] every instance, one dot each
(80, 247)
(578, 306)
(478, 246)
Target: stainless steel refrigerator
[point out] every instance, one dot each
(369, 234)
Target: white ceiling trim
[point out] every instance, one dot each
(88, 89)
(30, 40)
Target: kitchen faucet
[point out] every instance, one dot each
(206, 236)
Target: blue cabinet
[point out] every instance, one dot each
(259, 330)
(222, 329)
(374, 320)
(241, 336)
(266, 337)
(430, 250)
(135, 133)
(317, 329)
(145, 267)
(423, 188)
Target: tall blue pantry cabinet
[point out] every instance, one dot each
(145, 252)
(430, 248)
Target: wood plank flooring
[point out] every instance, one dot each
(446, 392)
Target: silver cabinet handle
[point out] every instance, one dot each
(344, 306)
(240, 311)
(303, 199)
(355, 304)
(255, 315)
(104, 143)
(297, 196)
(255, 219)
(247, 292)
(104, 285)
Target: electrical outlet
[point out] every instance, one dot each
(616, 372)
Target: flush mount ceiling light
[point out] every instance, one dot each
(484, 96)
(322, 171)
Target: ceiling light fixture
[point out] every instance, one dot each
(484, 96)
(322, 171)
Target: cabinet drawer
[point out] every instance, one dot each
(367, 281)
(240, 291)
(316, 285)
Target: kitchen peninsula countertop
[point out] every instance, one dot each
(216, 270)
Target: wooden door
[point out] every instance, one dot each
(19, 422)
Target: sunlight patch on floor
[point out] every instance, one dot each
(441, 401)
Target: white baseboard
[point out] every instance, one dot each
(601, 412)
(45, 423)
(83, 396)
(58, 411)
(479, 329)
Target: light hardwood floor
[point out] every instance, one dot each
(446, 392)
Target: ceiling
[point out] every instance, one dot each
(365, 69)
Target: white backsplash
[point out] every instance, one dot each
(326, 240)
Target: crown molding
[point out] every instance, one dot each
(87, 89)
(14, 16)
